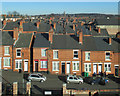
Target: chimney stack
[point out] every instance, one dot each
(38, 23)
(110, 41)
(90, 27)
(99, 31)
(51, 36)
(80, 37)
(4, 22)
(54, 26)
(15, 33)
(74, 27)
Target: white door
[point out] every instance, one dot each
(99, 68)
(68, 68)
(26, 66)
(0, 63)
(94, 68)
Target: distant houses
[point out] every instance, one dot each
(59, 45)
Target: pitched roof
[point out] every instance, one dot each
(65, 42)
(24, 40)
(29, 27)
(44, 27)
(6, 38)
(41, 40)
(11, 25)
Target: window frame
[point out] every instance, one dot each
(8, 58)
(56, 65)
(107, 67)
(75, 54)
(88, 67)
(44, 52)
(54, 55)
(86, 59)
(75, 66)
(20, 52)
(5, 51)
(107, 56)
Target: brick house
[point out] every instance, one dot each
(6, 51)
(40, 52)
(22, 52)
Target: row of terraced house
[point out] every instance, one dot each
(59, 46)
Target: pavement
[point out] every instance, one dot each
(53, 83)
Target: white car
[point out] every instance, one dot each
(37, 77)
(74, 79)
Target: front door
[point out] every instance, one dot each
(99, 68)
(116, 70)
(36, 66)
(63, 68)
(26, 66)
(95, 68)
(68, 68)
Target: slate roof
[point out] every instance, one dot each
(24, 40)
(11, 25)
(44, 27)
(64, 42)
(29, 27)
(41, 40)
(107, 21)
(6, 39)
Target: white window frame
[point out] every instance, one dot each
(6, 54)
(16, 52)
(55, 65)
(88, 67)
(106, 56)
(77, 66)
(8, 61)
(54, 57)
(42, 51)
(107, 67)
(18, 64)
(44, 64)
(75, 54)
(86, 58)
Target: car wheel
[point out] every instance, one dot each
(42, 80)
(92, 83)
(80, 82)
(30, 80)
(68, 82)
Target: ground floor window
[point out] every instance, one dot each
(18, 64)
(43, 64)
(107, 67)
(75, 65)
(87, 67)
(55, 65)
(6, 62)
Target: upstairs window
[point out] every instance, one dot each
(43, 52)
(107, 56)
(87, 56)
(6, 50)
(18, 52)
(75, 54)
(55, 54)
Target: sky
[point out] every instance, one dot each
(40, 8)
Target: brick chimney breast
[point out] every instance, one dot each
(81, 37)
(110, 41)
(99, 30)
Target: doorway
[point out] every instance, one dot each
(99, 68)
(116, 70)
(95, 68)
(63, 67)
(36, 66)
(25, 65)
(68, 68)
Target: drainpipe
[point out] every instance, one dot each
(81, 62)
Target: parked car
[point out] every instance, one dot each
(97, 80)
(74, 79)
(37, 77)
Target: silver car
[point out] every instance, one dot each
(37, 77)
(74, 79)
